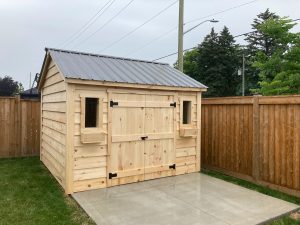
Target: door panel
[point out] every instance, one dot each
(159, 127)
(127, 149)
(142, 140)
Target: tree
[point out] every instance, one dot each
(9, 87)
(279, 72)
(190, 65)
(257, 41)
(217, 64)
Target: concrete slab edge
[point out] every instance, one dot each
(74, 199)
(278, 217)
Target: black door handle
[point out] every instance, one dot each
(144, 138)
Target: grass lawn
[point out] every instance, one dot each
(29, 195)
(286, 220)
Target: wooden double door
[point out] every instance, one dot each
(142, 145)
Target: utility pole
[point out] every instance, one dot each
(243, 76)
(180, 35)
(30, 80)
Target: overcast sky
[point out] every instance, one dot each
(28, 26)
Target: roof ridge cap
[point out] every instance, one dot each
(103, 56)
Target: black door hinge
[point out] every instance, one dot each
(112, 103)
(173, 166)
(144, 138)
(173, 104)
(112, 175)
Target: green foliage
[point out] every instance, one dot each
(257, 41)
(190, 64)
(280, 71)
(31, 195)
(9, 87)
(272, 59)
(214, 63)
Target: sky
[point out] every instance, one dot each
(28, 26)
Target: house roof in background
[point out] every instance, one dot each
(31, 91)
(86, 66)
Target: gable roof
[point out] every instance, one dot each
(86, 66)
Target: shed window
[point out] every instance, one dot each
(91, 112)
(186, 112)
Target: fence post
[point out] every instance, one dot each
(17, 115)
(256, 148)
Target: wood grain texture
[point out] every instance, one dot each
(20, 127)
(54, 128)
(255, 137)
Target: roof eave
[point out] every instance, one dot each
(133, 85)
(42, 73)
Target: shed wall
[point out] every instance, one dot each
(53, 123)
(90, 160)
(89, 168)
(186, 147)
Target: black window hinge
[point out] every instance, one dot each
(112, 103)
(112, 175)
(173, 167)
(173, 104)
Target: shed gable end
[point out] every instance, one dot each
(53, 121)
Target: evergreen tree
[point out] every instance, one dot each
(230, 59)
(217, 64)
(257, 41)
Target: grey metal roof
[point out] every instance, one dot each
(85, 66)
(31, 91)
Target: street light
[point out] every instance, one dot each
(180, 37)
(194, 27)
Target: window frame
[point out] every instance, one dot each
(82, 112)
(192, 111)
(187, 112)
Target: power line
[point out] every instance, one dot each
(91, 19)
(175, 53)
(222, 11)
(154, 40)
(107, 22)
(196, 47)
(173, 29)
(239, 35)
(251, 32)
(90, 22)
(140, 26)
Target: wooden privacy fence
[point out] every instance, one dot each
(254, 138)
(19, 127)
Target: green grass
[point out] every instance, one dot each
(29, 195)
(285, 220)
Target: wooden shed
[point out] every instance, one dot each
(108, 121)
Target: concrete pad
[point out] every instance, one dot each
(186, 200)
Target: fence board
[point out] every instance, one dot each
(257, 138)
(20, 127)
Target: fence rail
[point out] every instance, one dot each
(19, 127)
(255, 138)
